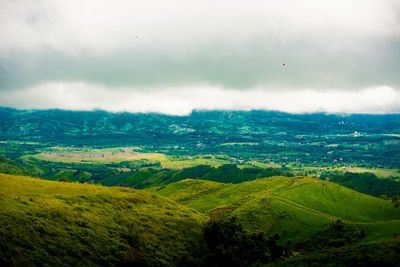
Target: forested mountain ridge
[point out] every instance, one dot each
(281, 137)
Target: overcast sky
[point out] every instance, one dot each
(178, 55)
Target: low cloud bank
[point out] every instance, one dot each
(182, 100)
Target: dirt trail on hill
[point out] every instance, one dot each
(322, 214)
(311, 211)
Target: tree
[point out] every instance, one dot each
(227, 244)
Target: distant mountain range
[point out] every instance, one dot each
(311, 137)
(50, 125)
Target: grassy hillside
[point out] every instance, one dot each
(11, 167)
(60, 224)
(295, 207)
(339, 201)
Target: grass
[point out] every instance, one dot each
(340, 202)
(295, 207)
(55, 223)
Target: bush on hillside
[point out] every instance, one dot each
(228, 244)
(336, 234)
(65, 180)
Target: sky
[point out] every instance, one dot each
(174, 56)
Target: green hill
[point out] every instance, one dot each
(11, 167)
(70, 224)
(63, 224)
(295, 207)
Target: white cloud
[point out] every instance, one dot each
(182, 100)
(136, 55)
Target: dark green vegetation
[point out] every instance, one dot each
(310, 139)
(372, 254)
(228, 244)
(336, 234)
(368, 183)
(226, 173)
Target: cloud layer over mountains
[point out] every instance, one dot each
(174, 56)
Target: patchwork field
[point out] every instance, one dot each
(92, 155)
(378, 171)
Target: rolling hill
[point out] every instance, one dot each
(64, 223)
(295, 207)
(70, 224)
